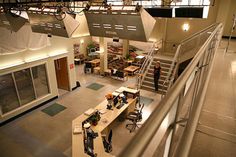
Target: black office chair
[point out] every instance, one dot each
(135, 117)
(88, 67)
(121, 75)
(108, 143)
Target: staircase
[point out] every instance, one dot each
(148, 81)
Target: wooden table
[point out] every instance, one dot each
(131, 69)
(134, 92)
(128, 62)
(106, 119)
(95, 62)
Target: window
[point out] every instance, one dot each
(8, 96)
(40, 80)
(22, 87)
(25, 86)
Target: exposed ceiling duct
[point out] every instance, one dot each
(49, 21)
(124, 22)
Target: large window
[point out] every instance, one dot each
(25, 86)
(22, 87)
(8, 96)
(40, 80)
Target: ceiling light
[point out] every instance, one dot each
(185, 27)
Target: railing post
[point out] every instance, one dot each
(179, 106)
(171, 105)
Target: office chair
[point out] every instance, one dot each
(108, 143)
(88, 67)
(135, 117)
(122, 75)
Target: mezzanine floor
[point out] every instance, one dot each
(216, 132)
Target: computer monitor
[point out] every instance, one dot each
(116, 100)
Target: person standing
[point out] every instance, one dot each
(156, 74)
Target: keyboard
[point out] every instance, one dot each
(119, 106)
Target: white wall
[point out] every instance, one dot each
(170, 29)
(58, 45)
(225, 15)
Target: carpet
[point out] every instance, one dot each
(53, 109)
(95, 86)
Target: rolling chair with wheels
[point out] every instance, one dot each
(135, 117)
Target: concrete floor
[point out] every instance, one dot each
(37, 134)
(216, 132)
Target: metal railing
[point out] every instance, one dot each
(189, 88)
(191, 43)
(145, 65)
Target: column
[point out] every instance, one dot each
(125, 47)
(166, 2)
(103, 55)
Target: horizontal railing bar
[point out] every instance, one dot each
(137, 146)
(196, 34)
(186, 141)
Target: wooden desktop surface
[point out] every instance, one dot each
(95, 61)
(106, 119)
(131, 68)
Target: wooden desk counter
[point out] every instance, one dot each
(131, 69)
(106, 119)
(95, 62)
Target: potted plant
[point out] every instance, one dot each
(95, 118)
(109, 98)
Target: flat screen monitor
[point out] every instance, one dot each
(115, 100)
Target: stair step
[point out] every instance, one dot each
(162, 71)
(162, 60)
(151, 79)
(150, 75)
(152, 89)
(162, 68)
(151, 84)
(162, 64)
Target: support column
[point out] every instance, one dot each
(103, 55)
(125, 47)
(166, 2)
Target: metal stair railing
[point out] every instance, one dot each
(165, 115)
(141, 73)
(179, 51)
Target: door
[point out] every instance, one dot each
(62, 73)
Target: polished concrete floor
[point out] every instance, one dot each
(216, 132)
(37, 134)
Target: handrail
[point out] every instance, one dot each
(145, 65)
(174, 61)
(143, 68)
(171, 68)
(197, 33)
(138, 144)
(193, 120)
